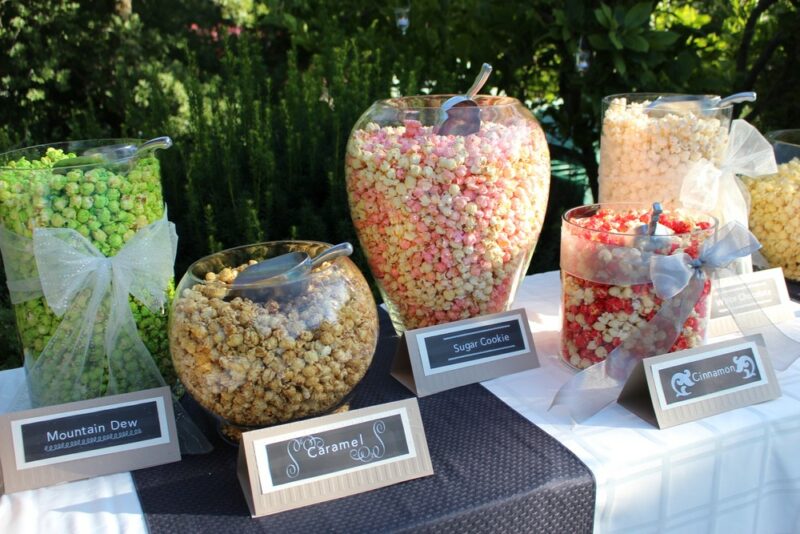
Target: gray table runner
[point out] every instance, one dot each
(494, 472)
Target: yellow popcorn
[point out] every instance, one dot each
(775, 216)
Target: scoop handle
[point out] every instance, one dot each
(746, 96)
(152, 144)
(480, 80)
(342, 249)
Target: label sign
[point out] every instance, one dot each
(760, 294)
(684, 386)
(320, 459)
(464, 346)
(455, 354)
(82, 439)
(755, 298)
(46, 440)
(693, 380)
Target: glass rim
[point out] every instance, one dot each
(591, 209)
(17, 153)
(775, 136)
(638, 98)
(190, 271)
(483, 101)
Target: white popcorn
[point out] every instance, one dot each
(644, 156)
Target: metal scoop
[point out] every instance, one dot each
(114, 154)
(460, 115)
(699, 104)
(286, 267)
(124, 152)
(646, 233)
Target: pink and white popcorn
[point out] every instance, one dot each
(448, 222)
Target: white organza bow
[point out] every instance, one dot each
(89, 293)
(715, 189)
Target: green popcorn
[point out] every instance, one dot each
(87, 188)
(59, 203)
(107, 205)
(115, 241)
(99, 236)
(103, 215)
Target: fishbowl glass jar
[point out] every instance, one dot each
(267, 352)
(448, 221)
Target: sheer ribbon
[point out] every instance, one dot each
(679, 280)
(97, 333)
(709, 188)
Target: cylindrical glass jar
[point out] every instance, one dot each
(607, 291)
(775, 205)
(647, 146)
(105, 199)
(448, 222)
(264, 353)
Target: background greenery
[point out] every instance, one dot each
(260, 95)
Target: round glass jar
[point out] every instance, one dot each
(646, 150)
(607, 291)
(775, 205)
(265, 353)
(448, 222)
(107, 201)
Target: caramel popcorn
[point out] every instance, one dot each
(280, 354)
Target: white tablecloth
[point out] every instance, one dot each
(735, 472)
(104, 505)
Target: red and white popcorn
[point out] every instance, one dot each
(448, 222)
(605, 269)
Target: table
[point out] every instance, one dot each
(735, 472)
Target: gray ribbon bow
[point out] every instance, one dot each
(679, 280)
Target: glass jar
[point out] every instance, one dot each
(607, 291)
(267, 352)
(647, 149)
(775, 205)
(448, 222)
(98, 189)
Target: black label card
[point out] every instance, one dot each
(471, 344)
(336, 450)
(700, 378)
(90, 431)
